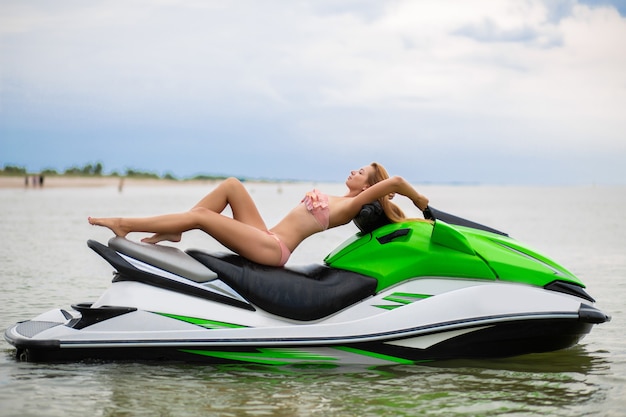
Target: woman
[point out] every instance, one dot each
(246, 233)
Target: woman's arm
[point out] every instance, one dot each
(397, 185)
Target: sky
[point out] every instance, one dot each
(457, 91)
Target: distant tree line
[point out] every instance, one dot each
(87, 170)
(13, 170)
(97, 170)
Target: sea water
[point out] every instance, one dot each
(45, 264)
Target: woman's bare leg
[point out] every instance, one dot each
(112, 223)
(244, 239)
(163, 237)
(230, 192)
(167, 227)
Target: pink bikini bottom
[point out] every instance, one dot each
(285, 253)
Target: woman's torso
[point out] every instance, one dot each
(301, 223)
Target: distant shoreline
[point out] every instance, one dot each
(87, 181)
(70, 181)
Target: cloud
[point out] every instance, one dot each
(489, 31)
(349, 78)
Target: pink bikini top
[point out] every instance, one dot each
(316, 203)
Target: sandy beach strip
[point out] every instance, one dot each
(71, 181)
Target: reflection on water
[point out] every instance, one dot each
(554, 384)
(46, 264)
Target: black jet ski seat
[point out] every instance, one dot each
(305, 294)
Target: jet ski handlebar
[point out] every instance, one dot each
(372, 216)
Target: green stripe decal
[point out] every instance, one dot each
(389, 307)
(375, 355)
(405, 298)
(287, 356)
(401, 299)
(266, 356)
(207, 324)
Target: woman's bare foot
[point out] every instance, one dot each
(160, 237)
(112, 223)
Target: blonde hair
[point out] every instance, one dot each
(392, 211)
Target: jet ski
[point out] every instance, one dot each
(393, 293)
